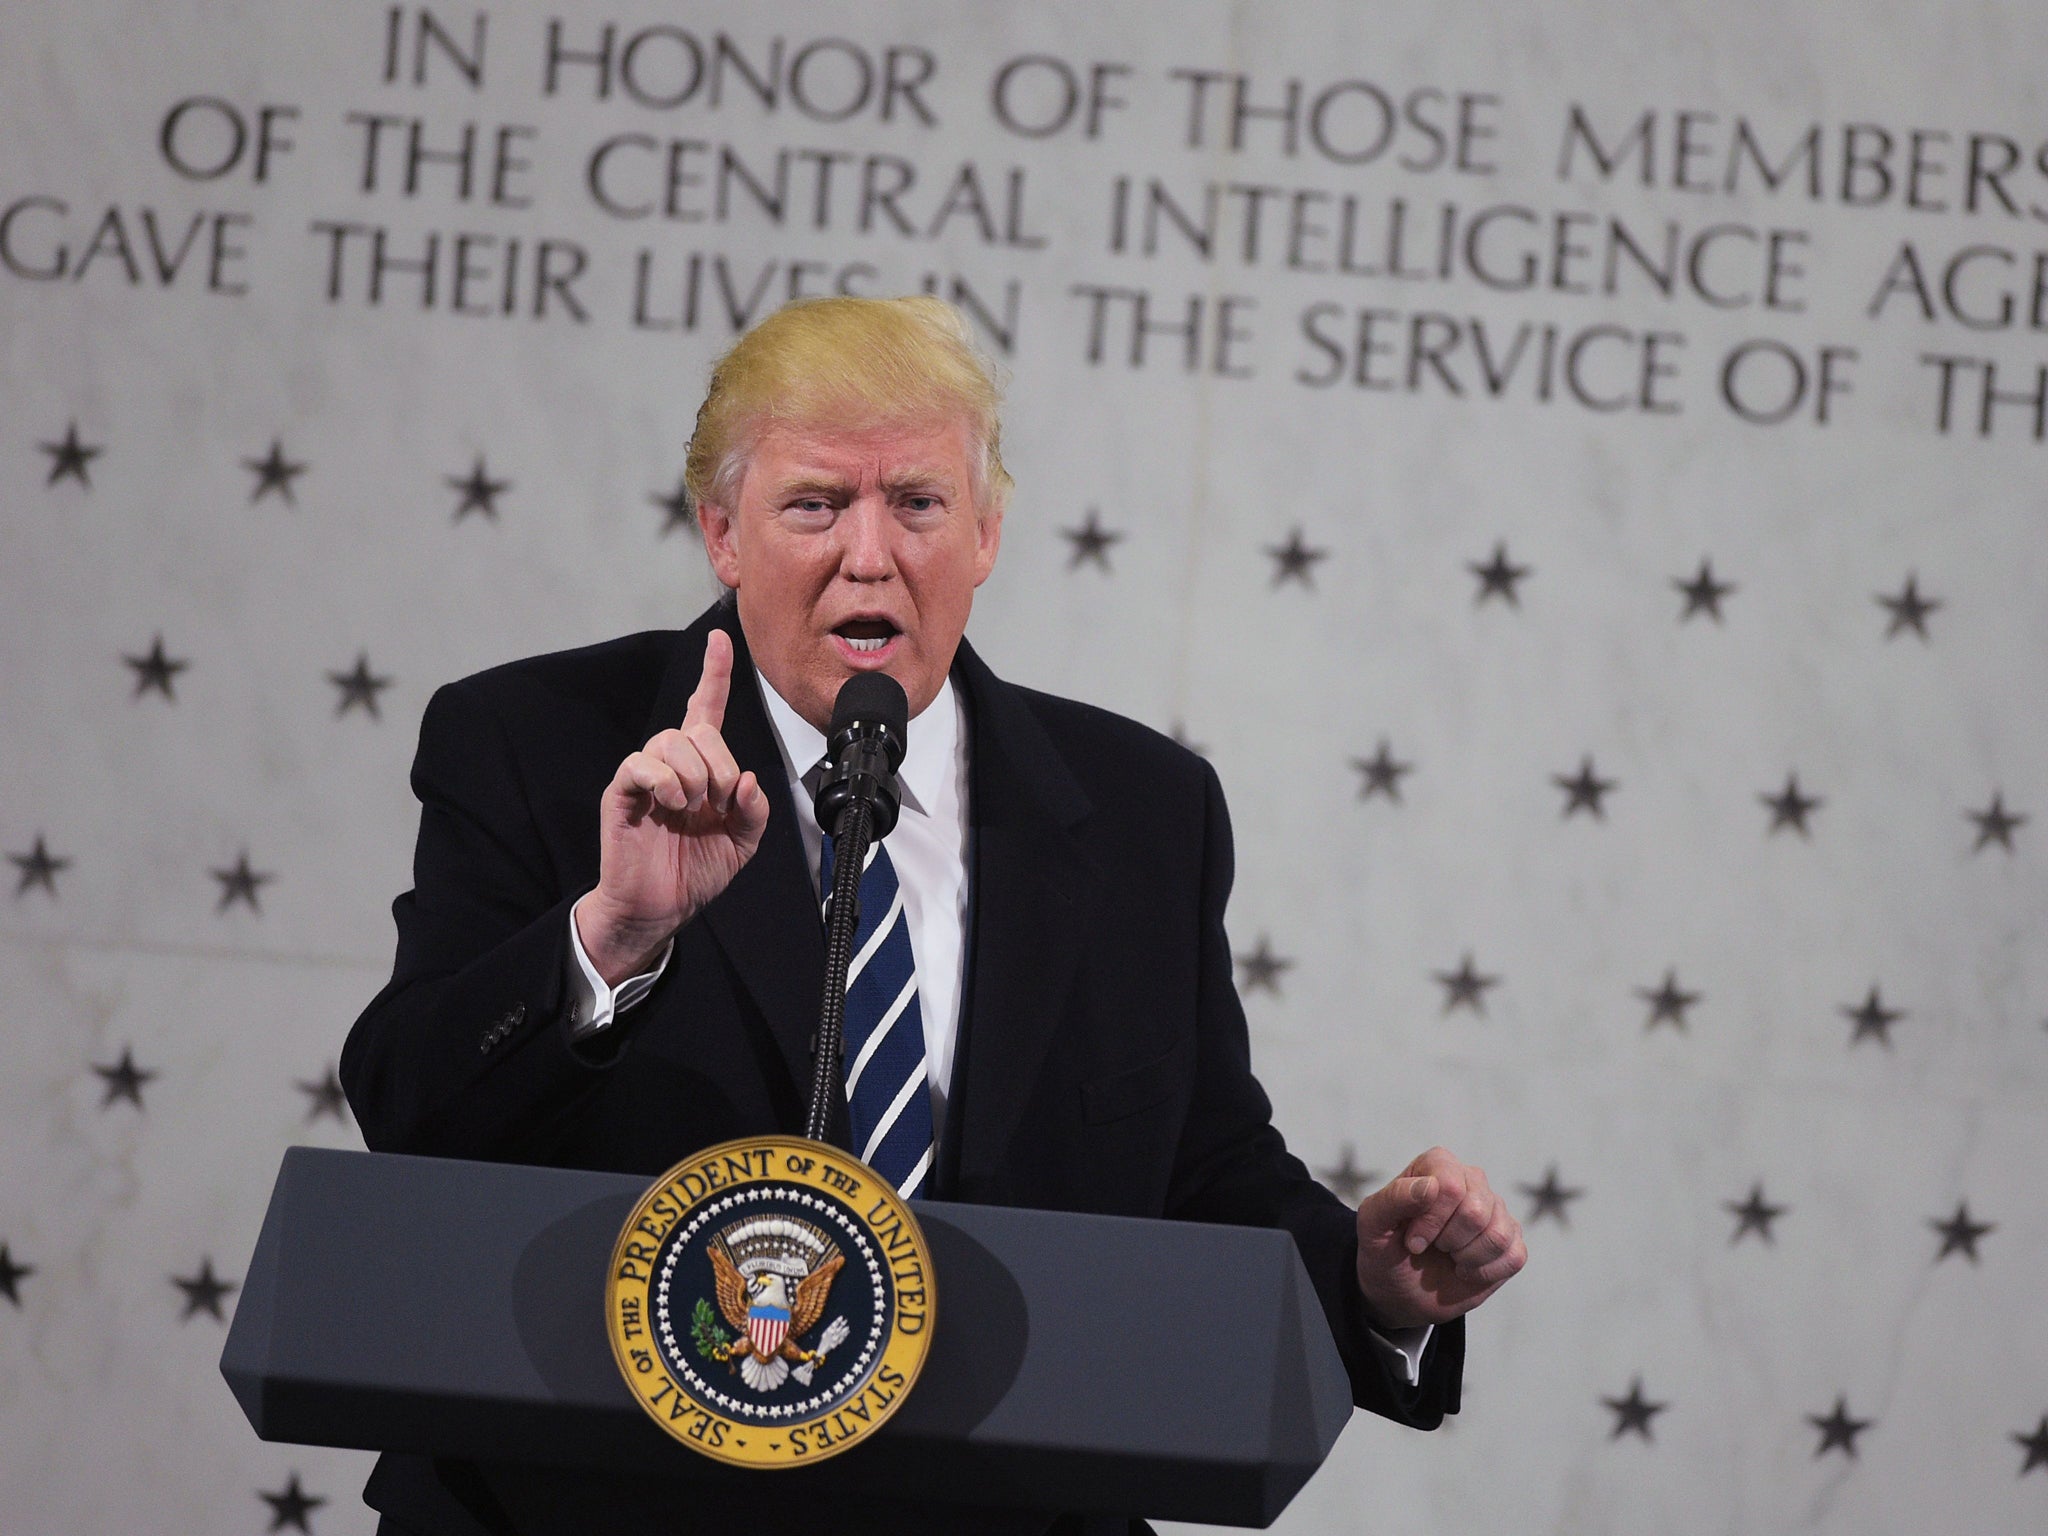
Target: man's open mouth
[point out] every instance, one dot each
(866, 635)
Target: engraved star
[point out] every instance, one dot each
(291, 1507)
(2035, 1445)
(1703, 593)
(12, 1273)
(1790, 808)
(1550, 1198)
(1838, 1431)
(124, 1080)
(1667, 1001)
(1871, 1017)
(241, 883)
(1498, 576)
(480, 492)
(1959, 1234)
(1754, 1215)
(1381, 774)
(1995, 824)
(359, 687)
(274, 472)
(1632, 1414)
(1091, 542)
(39, 867)
(1347, 1180)
(326, 1096)
(156, 672)
(1909, 610)
(69, 459)
(204, 1292)
(1261, 970)
(1465, 987)
(676, 507)
(1295, 560)
(1585, 790)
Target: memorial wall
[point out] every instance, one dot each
(1575, 469)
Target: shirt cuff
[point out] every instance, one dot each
(592, 1004)
(1402, 1348)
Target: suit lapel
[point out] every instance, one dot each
(766, 921)
(1033, 891)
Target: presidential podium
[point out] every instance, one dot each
(1116, 1366)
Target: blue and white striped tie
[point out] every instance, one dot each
(886, 1093)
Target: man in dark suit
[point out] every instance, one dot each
(612, 956)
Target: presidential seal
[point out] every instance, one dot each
(770, 1301)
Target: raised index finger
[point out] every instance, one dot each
(707, 704)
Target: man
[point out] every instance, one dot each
(612, 953)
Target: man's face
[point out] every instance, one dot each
(854, 551)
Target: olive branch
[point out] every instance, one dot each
(712, 1341)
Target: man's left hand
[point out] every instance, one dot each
(1435, 1243)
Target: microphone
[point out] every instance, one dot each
(857, 804)
(870, 727)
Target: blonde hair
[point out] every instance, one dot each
(858, 363)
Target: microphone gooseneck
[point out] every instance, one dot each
(856, 805)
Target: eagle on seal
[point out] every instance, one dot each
(771, 1309)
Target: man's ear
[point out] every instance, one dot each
(988, 539)
(721, 542)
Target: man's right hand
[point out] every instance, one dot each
(676, 824)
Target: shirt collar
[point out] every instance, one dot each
(929, 751)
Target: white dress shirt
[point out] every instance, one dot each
(929, 850)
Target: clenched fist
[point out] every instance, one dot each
(1435, 1243)
(677, 822)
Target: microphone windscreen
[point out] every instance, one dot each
(871, 698)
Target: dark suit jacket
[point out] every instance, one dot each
(1102, 1063)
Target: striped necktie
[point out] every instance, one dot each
(886, 1093)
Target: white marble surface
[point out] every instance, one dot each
(112, 1414)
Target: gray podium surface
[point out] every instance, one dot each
(1078, 1362)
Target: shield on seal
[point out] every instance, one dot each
(767, 1327)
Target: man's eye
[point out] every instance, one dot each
(921, 503)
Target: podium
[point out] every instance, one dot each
(1104, 1364)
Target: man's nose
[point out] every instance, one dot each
(867, 553)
